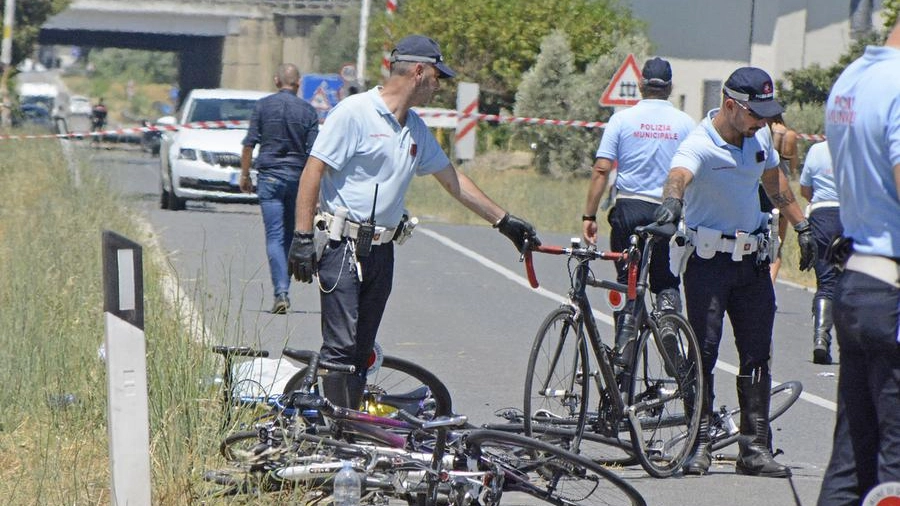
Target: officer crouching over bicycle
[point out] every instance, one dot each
(714, 178)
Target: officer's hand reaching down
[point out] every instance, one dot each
(808, 248)
(302, 257)
(517, 230)
(669, 211)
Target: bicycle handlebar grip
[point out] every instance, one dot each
(529, 270)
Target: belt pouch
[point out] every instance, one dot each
(706, 240)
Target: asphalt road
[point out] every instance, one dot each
(461, 307)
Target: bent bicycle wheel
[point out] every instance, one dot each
(666, 387)
(782, 397)
(557, 381)
(548, 472)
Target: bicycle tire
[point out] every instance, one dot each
(782, 397)
(666, 383)
(557, 379)
(604, 450)
(548, 472)
(398, 376)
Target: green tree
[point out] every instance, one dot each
(29, 17)
(115, 64)
(335, 44)
(493, 42)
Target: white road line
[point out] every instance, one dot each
(516, 278)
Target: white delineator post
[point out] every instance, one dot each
(466, 133)
(126, 367)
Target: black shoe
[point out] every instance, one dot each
(282, 304)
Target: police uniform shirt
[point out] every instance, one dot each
(365, 145)
(818, 173)
(643, 139)
(862, 124)
(723, 194)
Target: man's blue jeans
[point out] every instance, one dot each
(278, 201)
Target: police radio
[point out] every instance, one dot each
(366, 231)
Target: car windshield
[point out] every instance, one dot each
(218, 109)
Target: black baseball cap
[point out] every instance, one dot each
(418, 48)
(657, 73)
(753, 87)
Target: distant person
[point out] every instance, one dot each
(862, 124)
(640, 142)
(98, 120)
(785, 140)
(285, 127)
(817, 187)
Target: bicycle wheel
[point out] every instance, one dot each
(398, 384)
(548, 472)
(604, 450)
(557, 380)
(666, 384)
(782, 397)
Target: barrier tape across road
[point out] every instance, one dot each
(494, 118)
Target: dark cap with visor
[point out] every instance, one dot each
(657, 73)
(753, 87)
(421, 49)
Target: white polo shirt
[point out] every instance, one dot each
(364, 145)
(723, 195)
(642, 139)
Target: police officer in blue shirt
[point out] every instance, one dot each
(285, 127)
(862, 125)
(817, 186)
(642, 139)
(374, 142)
(714, 178)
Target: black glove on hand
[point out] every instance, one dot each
(669, 211)
(517, 230)
(809, 251)
(302, 257)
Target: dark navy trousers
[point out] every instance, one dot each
(866, 446)
(826, 224)
(627, 215)
(352, 309)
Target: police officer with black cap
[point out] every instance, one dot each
(713, 179)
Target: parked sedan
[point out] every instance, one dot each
(203, 162)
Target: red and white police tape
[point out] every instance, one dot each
(244, 124)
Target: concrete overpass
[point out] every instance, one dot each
(227, 43)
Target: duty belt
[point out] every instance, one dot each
(351, 228)
(884, 269)
(622, 194)
(821, 205)
(727, 244)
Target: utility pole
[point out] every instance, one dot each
(363, 38)
(6, 60)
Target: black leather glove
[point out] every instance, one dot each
(518, 230)
(302, 257)
(669, 211)
(809, 251)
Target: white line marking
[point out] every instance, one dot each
(516, 278)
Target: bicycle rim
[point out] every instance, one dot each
(666, 385)
(557, 381)
(782, 397)
(548, 472)
(604, 450)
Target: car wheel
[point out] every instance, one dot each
(164, 196)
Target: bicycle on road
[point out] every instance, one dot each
(648, 392)
(425, 462)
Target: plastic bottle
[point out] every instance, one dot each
(346, 486)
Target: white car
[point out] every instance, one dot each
(79, 106)
(205, 164)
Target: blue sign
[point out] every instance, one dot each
(322, 91)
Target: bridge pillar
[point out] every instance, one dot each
(200, 64)
(251, 56)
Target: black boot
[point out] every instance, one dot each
(356, 384)
(822, 337)
(700, 460)
(755, 456)
(335, 386)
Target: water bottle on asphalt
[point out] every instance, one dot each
(346, 486)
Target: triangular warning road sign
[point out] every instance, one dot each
(623, 89)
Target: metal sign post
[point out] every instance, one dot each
(126, 368)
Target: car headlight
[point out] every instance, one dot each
(187, 154)
(208, 157)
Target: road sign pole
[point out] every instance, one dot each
(128, 413)
(6, 60)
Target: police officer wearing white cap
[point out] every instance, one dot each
(359, 169)
(714, 178)
(862, 125)
(642, 139)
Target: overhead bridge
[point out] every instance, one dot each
(221, 43)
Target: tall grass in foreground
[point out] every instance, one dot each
(51, 325)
